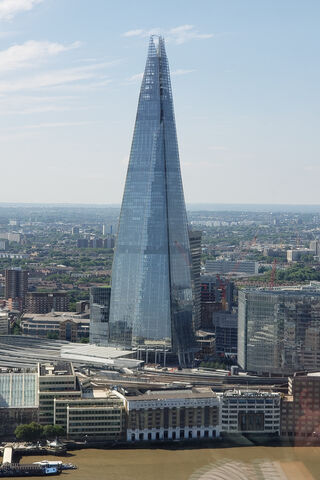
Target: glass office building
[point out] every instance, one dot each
(279, 330)
(99, 315)
(151, 297)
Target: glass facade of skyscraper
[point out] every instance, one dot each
(151, 298)
(279, 330)
(99, 315)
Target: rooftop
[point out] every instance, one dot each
(204, 392)
(18, 390)
(57, 368)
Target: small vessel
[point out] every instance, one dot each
(56, 463)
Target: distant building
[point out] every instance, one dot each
(279, 329)
(109, 241)
(315, 247)
(4, 245)
(4, 322)
(225, 326)
(45, 302)
(206, 343)
(99, 315)
(16, 287)
(298, 254)
(173, 415)
(11, 237)
(63, 326)
(195, 250)
(232, 267)
(83, 306)
(82, 243)
(216, 295)
(96, 243)
(75, 230)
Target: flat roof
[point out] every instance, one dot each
(18, 390)
(56, 368)
(172, 394)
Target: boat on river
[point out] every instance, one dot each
(56, 463)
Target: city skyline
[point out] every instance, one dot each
(246, 98)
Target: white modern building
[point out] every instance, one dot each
(250, 412)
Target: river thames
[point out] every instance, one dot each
(238, 463)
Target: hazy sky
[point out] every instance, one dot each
(245, 75)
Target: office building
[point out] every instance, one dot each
(232, 267)
(55, 380)
(216, 294)
(99, 315)
(151, 297)
(225, 327)
(45, 302)
(63, 326)
(99, 415)
(300, 416)
(173, 415)
(279, 330)
(250, 412)
(195, 249)
(16, 287)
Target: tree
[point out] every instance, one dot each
(30, 432)
(52, 335)
(53, 431)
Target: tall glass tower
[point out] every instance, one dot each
(151, 294)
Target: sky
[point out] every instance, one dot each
(245, 77)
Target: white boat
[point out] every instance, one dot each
(56, 464)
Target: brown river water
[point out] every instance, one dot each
(238, 463)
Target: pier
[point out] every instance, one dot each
(7, 455)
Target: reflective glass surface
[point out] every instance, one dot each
(151, 298)
(279, 331)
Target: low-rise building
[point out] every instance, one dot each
(250, 412)
(56, 380)
(245, 267)
(18, 401)
(98, 415)
(173, 415)
(65, 326)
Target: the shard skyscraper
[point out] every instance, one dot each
(151, 293)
